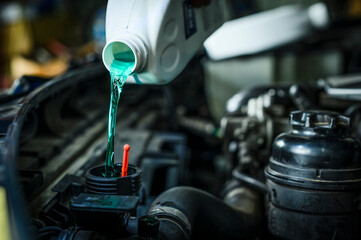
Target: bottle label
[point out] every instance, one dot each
(190, 26)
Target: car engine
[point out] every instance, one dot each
(281, 162)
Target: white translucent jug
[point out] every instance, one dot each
(162, 35)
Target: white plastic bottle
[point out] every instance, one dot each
(163, 35)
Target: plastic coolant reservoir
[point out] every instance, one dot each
(159, 36)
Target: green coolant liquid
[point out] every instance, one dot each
(120, 69)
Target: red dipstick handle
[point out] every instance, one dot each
(125, 160)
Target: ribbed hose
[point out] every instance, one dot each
(190, 213)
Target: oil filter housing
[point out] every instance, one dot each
(314, 179)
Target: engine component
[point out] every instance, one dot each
(186, 212)
(255, 117)
(103, 213)
(76, 233)
(148, 227)
(249, 181)
(244, 199)
(314, 179)
(128, 185)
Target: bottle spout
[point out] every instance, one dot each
(125, 49)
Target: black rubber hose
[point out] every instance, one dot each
(186, 212)
(250, 182)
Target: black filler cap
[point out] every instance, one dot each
(319, 119)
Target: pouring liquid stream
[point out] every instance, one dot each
(120, 69)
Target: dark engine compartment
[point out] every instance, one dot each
(190, 177)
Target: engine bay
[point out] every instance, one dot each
(283, 161)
